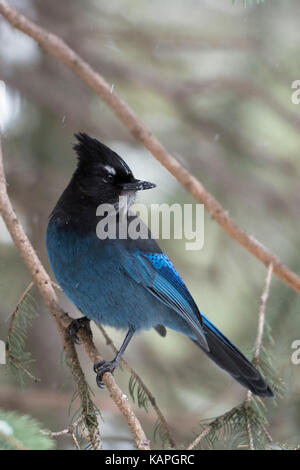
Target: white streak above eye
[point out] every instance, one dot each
(110, 170)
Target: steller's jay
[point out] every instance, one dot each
(126, 283)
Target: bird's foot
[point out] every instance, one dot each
(101, 368)
(75, 326)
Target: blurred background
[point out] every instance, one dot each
(212, 81)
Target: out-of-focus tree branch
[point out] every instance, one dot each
(186, 89)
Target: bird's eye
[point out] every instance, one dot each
(108, 178)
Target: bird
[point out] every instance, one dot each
(126, 282)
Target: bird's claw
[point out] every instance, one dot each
(101, 368)
(75, 326)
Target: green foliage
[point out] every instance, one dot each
(246, 424)
(18, 359)
(231, 430)
(88, 413)
(137, 393)
(160, 433)
(269, 371)
(139, 396)
(22, 432)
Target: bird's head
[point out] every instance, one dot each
(102, 176)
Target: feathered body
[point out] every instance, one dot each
(126, 283)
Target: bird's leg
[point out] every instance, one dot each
(161, 330)
(75, 326)
(109, 366)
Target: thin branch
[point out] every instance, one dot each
(257, 348)
(267, 434)
(151, 398)
(59, 49)
(21, 366)
(261, 316)
(88, 408)
(199, 438)
(215, 423)
(73, 436)
(71, 429)
(62, 320)
(248, 422)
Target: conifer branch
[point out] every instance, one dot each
(21, 366)
(19, 322)
(214, 425)
(18, 306)
(247, 413)
(71, 430)
(152, 399)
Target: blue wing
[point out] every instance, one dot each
(158, 275)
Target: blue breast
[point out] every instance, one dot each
(92, 275)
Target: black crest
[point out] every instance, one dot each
(90, 152)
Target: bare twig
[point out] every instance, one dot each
(267, 434)
(62, 320)
(74, 438)
(248, 422)
(199, 438)
(257, 349)
(261, 316)
(151, 398)
(21, 366)
(169, 40)
(59, 49)
(71, 429)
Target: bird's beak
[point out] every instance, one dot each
(137, 185)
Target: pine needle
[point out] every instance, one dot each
(18, 359)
